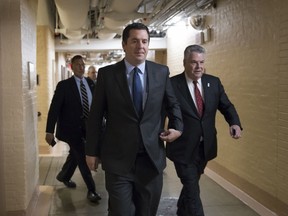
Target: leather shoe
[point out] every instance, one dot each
(93, 196)
(69, 184)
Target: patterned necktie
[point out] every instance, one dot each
(137, 91)
(85, 103)
(199, 99)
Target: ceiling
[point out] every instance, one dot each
(106, 19)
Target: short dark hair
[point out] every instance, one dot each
(139, 26)
(75, 58)
(193, 48)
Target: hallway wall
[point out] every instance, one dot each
(45, 69)
(45, 65)
(2, 170)
(248, 51)
(18, 105)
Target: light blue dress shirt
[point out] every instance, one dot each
(89, 93)
(143, 77)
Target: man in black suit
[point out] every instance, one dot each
(198, 143)
(132, 152)
(66, 110)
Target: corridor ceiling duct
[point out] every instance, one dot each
(73, 20)
(106, 19)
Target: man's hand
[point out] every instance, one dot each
(49, 138)
(92, 162)
(235, 131)
(170, 135)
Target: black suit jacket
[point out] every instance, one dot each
(66, 110)
(123, 126)
(215, 98)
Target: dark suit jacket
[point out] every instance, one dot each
(123, 126)
(215, 98)
(66, 110)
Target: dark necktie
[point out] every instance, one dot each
(199, 99)
(137, 91)
(85, 103)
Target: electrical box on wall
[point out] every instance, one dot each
(204, 36)
(207, 34)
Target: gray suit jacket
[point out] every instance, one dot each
(215, 98)
(124, 129)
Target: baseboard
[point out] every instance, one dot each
(44, 201)
(248, 200)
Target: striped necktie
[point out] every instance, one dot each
(85, 103)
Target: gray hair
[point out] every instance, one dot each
(193, 48)
(91, 67)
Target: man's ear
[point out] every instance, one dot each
(123, 45)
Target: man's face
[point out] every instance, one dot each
(78, 68)
(92, 74)
(194, 65)
(136, 48)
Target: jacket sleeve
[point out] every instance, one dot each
(55, 108)
(172, 107)
(227, 109)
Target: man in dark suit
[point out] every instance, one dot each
(67, 111)
(198, 143)
(132, 152)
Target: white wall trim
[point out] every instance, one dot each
(248, 200)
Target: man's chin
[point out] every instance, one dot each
(198, 74)
(140, 59)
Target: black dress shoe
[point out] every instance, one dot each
(69, 184)
(93, 196)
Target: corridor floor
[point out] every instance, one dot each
(57, 200)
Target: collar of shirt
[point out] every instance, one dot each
(129, 74)
(191, 86)
(89, 94)
(129, 67)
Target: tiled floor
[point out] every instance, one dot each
(64, 201)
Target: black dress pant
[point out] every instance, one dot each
(76, 157)
(189, 202)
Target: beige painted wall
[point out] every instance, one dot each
(46, 67)
(18, 110)
(248, 51)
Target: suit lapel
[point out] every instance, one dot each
(121, 80)
(206, 89)
(91, 84)
(184, 90)
(73, 86)
(150, 81)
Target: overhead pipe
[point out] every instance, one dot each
(124, 6)
(169, 12)
(154, 16)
